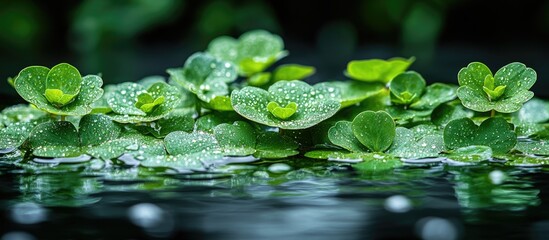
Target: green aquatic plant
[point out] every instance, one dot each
(503, 92)
(60, 90)
(230, 102)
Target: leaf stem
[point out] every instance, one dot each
(493, 113)
(63, 117)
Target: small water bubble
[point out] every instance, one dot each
(398, 204)
(146, 215)
(28, 213)
(435, 228)
(496, 177)
(279, 168)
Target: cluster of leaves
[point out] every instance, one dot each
(227, 102)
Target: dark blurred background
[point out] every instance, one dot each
(126, 40)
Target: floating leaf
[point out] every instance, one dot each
(377, 70)
(493, 132)
(378, 165)
(272, 145)
(15, 134)
(55, 139)
(181, 143)
(375, 130)
(237, 139)
(414, 144)
(471, 154)
(341, 134)
(533, 147)
(96, 129)
(523, 160)
(292, 72)
(176, 120)
(313, 105)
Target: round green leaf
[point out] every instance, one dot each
(377, 69)
(65, 78)
(55, 139)
(237, 139)
(533, 111)
(445, 113)
(407, 87)
(495, 133)
(314, 104)
(31, 85)
(14, 135)
(189, 143)
(97, 129)
(375, 130)
(341, 134)
(292, 72)
(474, 75)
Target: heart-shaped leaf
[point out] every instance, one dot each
(292, 72)
(55, 139)
(313, 105)
(407, 87)
(63, 83)
(375, 130)
(341, 134)
(378, 70)
(282, 112)
(495, 133)
(237, 139)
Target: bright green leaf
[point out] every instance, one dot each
(493, 132)
(237, 139)
(341, 134)
(55, 139)
(377, 70)
(292, 72)
(375, 130)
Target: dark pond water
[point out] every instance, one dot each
(289, 199)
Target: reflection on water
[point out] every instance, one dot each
(291, 199)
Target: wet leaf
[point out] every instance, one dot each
(375, 130)
(270, 145)
(407, 88)
(15, 134)
(341, 134)
(377, 70)
(181, 143)
(123, 102)
(207, 122)
(435, 94)
(504, 92)
(21, 113)
(205, 76)
(533, 147)
(313, 104)
(31, 84)
(237, 139)
(533, 111)
(96, 129)
(471, 154)
(493, 132)
(55, 139)
(176, 120)
(377, 165)
(445, 113)
(416, 144)
(353, 92)
(523, 160)
(253, 52)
